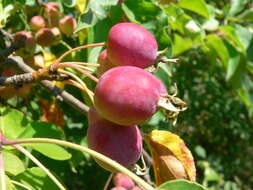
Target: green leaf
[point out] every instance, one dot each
(12, 122)
(129, 13)
(164, 72)
(233, 63)
(86, 20)
(93, 55)
(197, 6)
(42, 129)
(181, 44)
(247, 15)
(236, 7)
(101, 8)
(181, 185)
(216, 43)
(231, 35)
(12, 164)
(69, 3)
(52, 151)
(36, 179)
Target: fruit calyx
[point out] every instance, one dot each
(171, 105)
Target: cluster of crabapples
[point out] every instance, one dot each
(46, 30)
(125, 96)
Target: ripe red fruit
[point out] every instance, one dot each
(67, 25)
(104, 63)
(127, 95)
(123, 180)
(120, 143)
(29, 46)
(37, 22)
(52, 10)
(131, 44)
(48, 36)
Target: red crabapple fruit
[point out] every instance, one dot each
(67, 25)
(120, 143)
(104, 63)
(48, 36)
(131, 44)
(29, 46)
(128, 95)
(37, 22)
(123, 180)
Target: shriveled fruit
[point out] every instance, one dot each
(104, 63)
(48, 36)
(120, 143)
(67, 25)
(37, 22)
(131, 44)
(123, 180)
(29, 43)
(128, 95)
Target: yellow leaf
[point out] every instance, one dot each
(48, 57)
(172, 159)
(81, 6)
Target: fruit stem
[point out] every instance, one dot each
(85, 88)
(40, 165)
(57, 62)
(107, 183)
(93, 153)
(81, 69)
(82, 63)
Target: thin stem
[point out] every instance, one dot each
(87, 74)
(39, 164)
(107, 183)
(93, 153)
(86, 89)
(2, 173)
(74, 83)
(82, 63)
(63, 65)
(75, 49)
(65, 45)
(20, 184)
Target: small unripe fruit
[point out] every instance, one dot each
(131, 44)
(37, 22)
(67, 25)
(104, 63)
(120, 143)
(48, 36)
(123, 180)
(29, 43)
(128, 95)
(52, 10)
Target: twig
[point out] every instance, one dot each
(59, 93)
(29, 78)
(20, 184)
